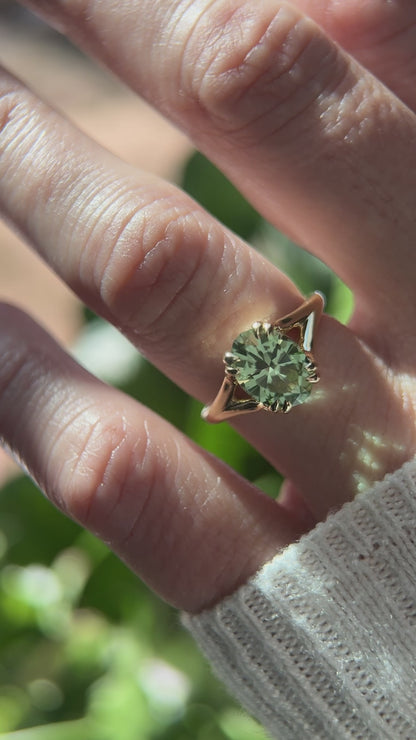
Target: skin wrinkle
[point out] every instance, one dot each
(178, 18)
(193, 251)
(104, 270)
(203, 88)
(91, 182)
(83, 194)
(52, 456)
(287, 66)
(230, 26)
(255, 120)
(295, 103)
(33, 137)
(119, 252)
(234, 276)
(16, 141)
(47, 160)
(187, 293)
(150, 487)
(67, 186)
(86, 478)
(109, 205)
(228, 93)
(355, 98)
(121, 479)
(91, 245)
(37, 144)
(232, 279)
(297, 118)
(181, 293)
(381, 35)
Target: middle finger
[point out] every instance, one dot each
(314, 140)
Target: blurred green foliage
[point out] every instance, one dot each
(87, 652)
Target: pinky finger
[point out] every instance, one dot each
(188, 525)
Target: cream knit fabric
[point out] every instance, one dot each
(322, 642)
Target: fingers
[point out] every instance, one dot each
(181, 288)
(314, 140)
(380, 35)
(136, 249)
(163, 505)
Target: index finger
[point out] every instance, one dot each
(313, 139)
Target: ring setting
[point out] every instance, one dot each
(268, 368)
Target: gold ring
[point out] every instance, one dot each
(267, 368)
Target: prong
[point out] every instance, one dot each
(286, 406)
(314, 378)
(261, 329)
(256, 326)
(231, 371)
(229, 358)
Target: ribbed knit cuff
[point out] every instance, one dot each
(321, 643)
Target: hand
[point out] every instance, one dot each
(325, 152)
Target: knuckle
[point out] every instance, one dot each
(261, 71)
(114, 482)
(97, 449)
(157, 271)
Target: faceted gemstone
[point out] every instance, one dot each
(270, 367)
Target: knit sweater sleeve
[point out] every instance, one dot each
(321, 643)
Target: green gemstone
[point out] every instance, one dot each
(270, 367)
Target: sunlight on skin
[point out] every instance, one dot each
(369, 451)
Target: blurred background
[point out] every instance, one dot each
(86, 651)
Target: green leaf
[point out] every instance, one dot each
(211, 189)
